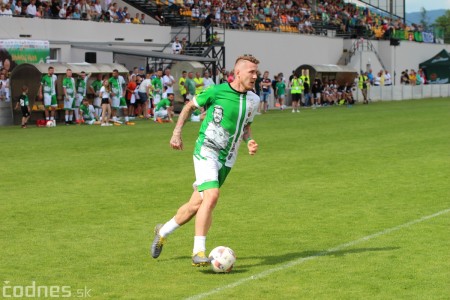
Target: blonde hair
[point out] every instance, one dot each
(247, 57)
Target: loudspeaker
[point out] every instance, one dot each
(90, 57)
(395, 42)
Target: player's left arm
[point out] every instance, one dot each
(251, 143)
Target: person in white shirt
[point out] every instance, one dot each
(207, 80)
(6, 11)
(176, 46)
(31, 9)
(387, 78)
(63, 11)
(144, 90)
(168, 81)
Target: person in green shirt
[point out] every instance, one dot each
(95, 87)
(164, 109)
(280, 88)
(190, 86)
(69, 95)
(87, 112)
(157, 87)
(47, 92)
(24, 104)
(230, 109)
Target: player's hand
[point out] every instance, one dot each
(176, 142)
(252, 147)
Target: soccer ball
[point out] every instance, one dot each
(50, 123)
(222, 259)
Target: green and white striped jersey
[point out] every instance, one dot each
(227, 113)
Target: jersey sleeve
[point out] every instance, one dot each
(206, 97)
(255, 99)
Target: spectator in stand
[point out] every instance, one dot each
(127, 19)
(404, 78)
(207, 23)
(412, 77)
(136, 19)
(176, 46)
(5, 11)
(63, 12)
(119, 15)
(31, 9)
(371, 77)
(76, 15)
(377, 79)
(96, 10)
(422, 75)
(17, 11)
(387, 78)
(142, 20)
(55, 8)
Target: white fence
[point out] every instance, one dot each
(404, 92)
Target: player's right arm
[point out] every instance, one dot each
(40, 90)
(176, 142)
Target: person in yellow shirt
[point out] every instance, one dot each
(136, 19)
(198, 83)
(182, 87)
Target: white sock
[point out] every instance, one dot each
(199, 244)
(76, 113)
(47, 118)
(52, 118)
(168, 228)
(67, 118)
(70, 116)
(126, 119)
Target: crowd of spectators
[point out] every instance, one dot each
(303, 16)
(300, 16)
(94, 10)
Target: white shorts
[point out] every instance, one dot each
(50, 100)
(115, 103)
(78, 99)
(209, 173)
(156, 99)
(68, 103)
(161, 114)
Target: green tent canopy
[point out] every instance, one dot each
(437, 68)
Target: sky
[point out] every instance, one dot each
(416, 5)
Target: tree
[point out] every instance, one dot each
(424, 20)
(443, 23)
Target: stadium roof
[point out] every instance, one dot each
(332, 68)
(146, 53)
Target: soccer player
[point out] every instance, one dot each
(24, 104)
(117, 83)
(95, 87)
(81, 92)
(69, 95)
(87, 112)
(164, 109)
(231, 108)
(47, 92)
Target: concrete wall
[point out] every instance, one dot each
(405, 92)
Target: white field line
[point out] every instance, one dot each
(299, 261)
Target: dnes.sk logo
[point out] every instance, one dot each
(33, 290)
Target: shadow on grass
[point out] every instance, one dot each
(287, 257)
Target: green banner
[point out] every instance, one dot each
(15, 52)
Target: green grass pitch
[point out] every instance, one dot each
(78, 205)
